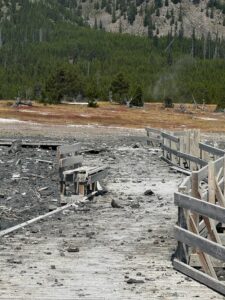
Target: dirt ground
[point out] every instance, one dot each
(99, 251)
(181, 117)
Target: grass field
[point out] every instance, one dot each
(152, 115)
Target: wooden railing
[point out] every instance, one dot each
(201, 208)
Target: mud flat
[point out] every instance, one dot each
(101, 252)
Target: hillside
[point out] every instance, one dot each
(157, 17)
(39, 38)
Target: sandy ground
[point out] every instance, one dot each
(115, 244)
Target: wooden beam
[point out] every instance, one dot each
(170, 137)
(210, 149)
(154, 130)
(70, 161)
(219, 195)
(211, 182)
(198, 242)
(201, 207)
(203, 278)
(203, 257)
(29, 222)
(69, 149)
(185, 155)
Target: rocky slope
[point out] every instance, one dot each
(179, 18)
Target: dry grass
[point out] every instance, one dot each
(153, 115)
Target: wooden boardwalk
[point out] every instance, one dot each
(135, 242)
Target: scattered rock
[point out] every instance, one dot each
(149, 193)
(14, 261)
(135, 205)
(133, 280)
(73, 249)
(135, 146)
(114, 204)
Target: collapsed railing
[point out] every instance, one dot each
(201, 205)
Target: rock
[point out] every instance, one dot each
(114, 204)
(53, 267)
(133, 280)
(149, 193)
(135, 205)
(14, 261)
(135, 146)
(90, 234)
(73, 249)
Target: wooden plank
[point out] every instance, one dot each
(195, 194)
(201, 207)
(170, 137)
(199, 276)
(186, 183)
(29, 222)
(69, 149)
(211, 182)
(219, 195)
(185, 156)
(98, 176)
(181, 170)
(70, 161)
(203, 257)
(153, 130)
(211, 149)
(198, 242)
(194, 262)
(223, 187)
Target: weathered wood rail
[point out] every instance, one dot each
(201, 207)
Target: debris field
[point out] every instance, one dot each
(116, 246)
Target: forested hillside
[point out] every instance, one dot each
(38, 40)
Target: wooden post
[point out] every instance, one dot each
(195, 193)
(148, 142)
(211, 182)
(181, 150)
(224, 175)
(182, 249)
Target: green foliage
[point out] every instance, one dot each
(120, 88)
(137, 98)
(64, 83)
(92, 103)
(131, 13)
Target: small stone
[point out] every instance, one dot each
(73, 249)
(149, 193)
(53, 267)
(114, 204)
(133, 280)
(135, 205)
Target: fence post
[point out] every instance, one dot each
(195, 193)
(211, 182)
